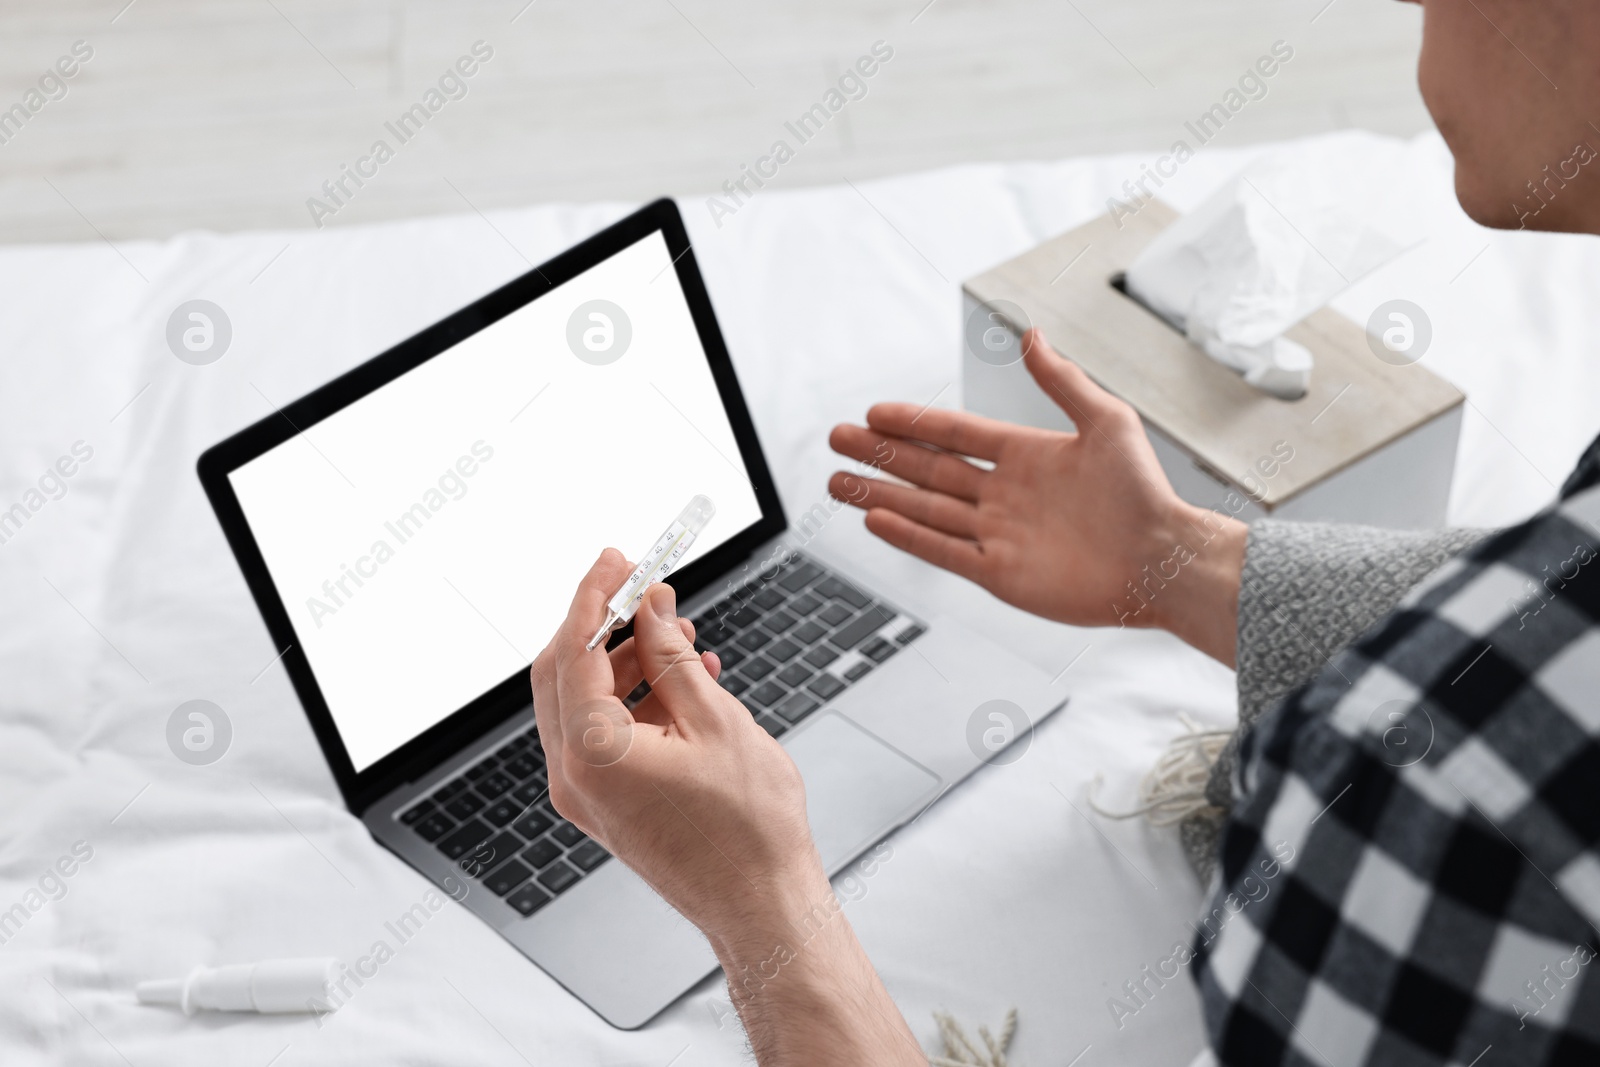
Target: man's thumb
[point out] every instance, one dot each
(1064, 382)
(670, 663)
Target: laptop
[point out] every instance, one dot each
(413, 533)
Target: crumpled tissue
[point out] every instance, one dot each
(1275, 243)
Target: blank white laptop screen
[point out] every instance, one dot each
(427, 539)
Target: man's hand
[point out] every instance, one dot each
(1082, 527)
(687, 789)
(709, 810)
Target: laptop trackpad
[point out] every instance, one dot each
(858, 788)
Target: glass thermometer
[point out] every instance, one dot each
(663, 556)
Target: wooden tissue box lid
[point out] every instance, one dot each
(1357, 404)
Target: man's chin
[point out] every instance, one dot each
(1485, 206)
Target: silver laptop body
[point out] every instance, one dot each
(873, 758)
(425, 721)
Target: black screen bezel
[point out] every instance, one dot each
(425, 751)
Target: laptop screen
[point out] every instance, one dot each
(426, 540)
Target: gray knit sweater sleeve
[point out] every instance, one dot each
(1307, 591)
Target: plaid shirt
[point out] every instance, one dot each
(1411, 873)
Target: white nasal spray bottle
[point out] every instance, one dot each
(271, 986)
(664, 555)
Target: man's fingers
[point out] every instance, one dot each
(945, 513)
(915, 463)
(676, 672)
(954, 431)
(651, 710)
(584, 683)
(940, 549)
(546, 708)
(625, 662)
(625, 669)
(588, 608)
(1065, 383)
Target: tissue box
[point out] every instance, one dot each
(1370, 442)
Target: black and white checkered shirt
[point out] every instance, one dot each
(1411, 873)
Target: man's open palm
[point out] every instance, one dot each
(1059, 526)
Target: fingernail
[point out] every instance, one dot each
(664, 602)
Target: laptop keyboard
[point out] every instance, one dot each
(788, 645)
(495, 822)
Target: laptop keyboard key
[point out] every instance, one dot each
(414, 814)
(482, 769)
(862, 627)
(808, 633)
(778, 621)
(879, 650)
(804, 604)
(757, 669)
(841, 590)
(542, 853)
(714, 635)
(485, 856)
(454, 788)
(460, 843)
(859, 671)
(766, 694)
(529, 899)
(528, 792)
(799, 576)
(502, 811)
(833, 614)
(522, 767)
(783, 650)
(567, 834)
(507, 877)
(498, 849)
(767, 599)
(497, 783)
(826, 686)
(821, 656)
(558, 877)
(751, 640)
(532, 824)
(795, 675)
(435, 826)
(465, 806)
(734, 684)
(771, 724)
(797, 707)
(908, 635)
(745, 617)
(589, 855)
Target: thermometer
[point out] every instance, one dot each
(664, 555)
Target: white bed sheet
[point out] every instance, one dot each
(121, 601)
